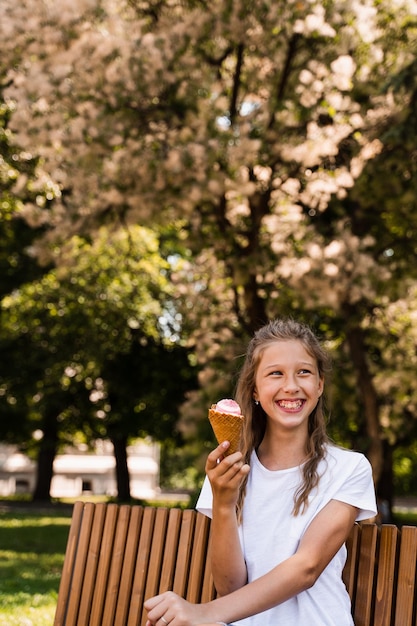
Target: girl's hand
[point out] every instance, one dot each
(225, 474)
(169, 608)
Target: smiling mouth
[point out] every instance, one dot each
(290, 404)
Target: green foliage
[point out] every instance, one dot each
(405, 469)
(275, 143)
(85, 343)
(145, 387)
(18, 170)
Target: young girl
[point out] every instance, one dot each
(283, 507)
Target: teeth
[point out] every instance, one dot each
(291, 404)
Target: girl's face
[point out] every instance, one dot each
(288, 384)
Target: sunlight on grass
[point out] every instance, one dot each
(30, 615)
(32, 551)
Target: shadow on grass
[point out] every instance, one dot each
(25, 533)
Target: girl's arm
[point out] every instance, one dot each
(321, 541)
(227, 562)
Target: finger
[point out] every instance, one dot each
(216, 455)
(228, 475)
(233, 470)
(151, 603)
(228, 468)
(230, 464)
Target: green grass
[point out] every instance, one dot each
(407, 519)
(32, 551)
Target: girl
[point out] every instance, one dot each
(283, 507)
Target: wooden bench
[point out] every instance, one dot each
(119, 555)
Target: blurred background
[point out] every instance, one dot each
(173, 173)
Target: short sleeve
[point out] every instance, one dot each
(205, 500)
(358, 488)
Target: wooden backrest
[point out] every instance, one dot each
(118, 555)
(381, 575)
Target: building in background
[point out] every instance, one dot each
(78, 472)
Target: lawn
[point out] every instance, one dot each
(32, 551)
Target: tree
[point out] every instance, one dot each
(256, 129)
(74, 340)
(144, 388)
(20, 182)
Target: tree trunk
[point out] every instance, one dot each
(385, 486)
(45, 462)
(357, 348)
(122, 471)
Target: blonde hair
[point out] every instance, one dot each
(255, 417)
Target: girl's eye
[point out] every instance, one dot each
(304, 371)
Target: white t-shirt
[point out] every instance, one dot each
(269, 533)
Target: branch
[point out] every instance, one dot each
(236, 82)
(282, 84)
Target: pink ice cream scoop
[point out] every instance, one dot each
(228, 406)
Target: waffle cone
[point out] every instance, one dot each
(227, 427)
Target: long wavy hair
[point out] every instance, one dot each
(255, 416)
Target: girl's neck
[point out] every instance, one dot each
(278, 454)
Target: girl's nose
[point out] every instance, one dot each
(290, 384)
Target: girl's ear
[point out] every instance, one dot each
(255, 395)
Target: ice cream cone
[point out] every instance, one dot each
(226, 427)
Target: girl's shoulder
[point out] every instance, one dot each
(340, 455)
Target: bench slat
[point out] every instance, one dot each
(386, 580)
(139, 580)
(113, 588)
(363, 605)
(88, 573)
(198, 559)
(406, 609)
(171, 549)
(104, 564)
(77, 585)
(183, 559)
(128, 569)
(68, 567)
(208, 591)
(156, 555)
(351, 566)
